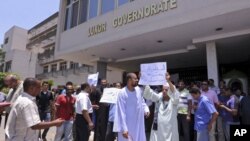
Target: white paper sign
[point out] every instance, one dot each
(153, 73)
(93, 79)
(110, 95)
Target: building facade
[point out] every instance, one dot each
(31, 53)
(210, 37)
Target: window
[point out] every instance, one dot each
(6, 40)
(73, 65)
(63, 65)
(8, 66)
(53, 68)
(75, 9)
(83, 11)
(93, 8)
(71, 15)
(45, 69)
(108, 5)
(121, 2)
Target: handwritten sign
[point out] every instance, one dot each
(93, 79)
(110, 95)
(153, 73)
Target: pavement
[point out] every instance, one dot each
(50, 135)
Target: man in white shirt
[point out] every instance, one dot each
(24, 121)
(83, 123)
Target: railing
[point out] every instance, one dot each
(66, 72)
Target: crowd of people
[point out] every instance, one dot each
(178, 112)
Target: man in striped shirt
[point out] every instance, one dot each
(184, 112)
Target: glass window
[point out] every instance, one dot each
(83, 11)
(45, 69)
(8, 66)
(67, 19)
(108, 5)
(6, 40)
(121, 2)
(73, 65)
(74, 14)
(93, 8)
(63, 65)
(53, 68)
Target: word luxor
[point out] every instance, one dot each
(146, 11)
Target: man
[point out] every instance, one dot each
(213, 98)
(129, 115)
(65, 110)
(16, 88)
(110, 135)
(205, 115)
(101, 114)
(24, 122)
(2, 99)
(231, 116)
(245, 110)
(165, 127)
(213, 87)
(45, 103)
(83, 120)
(184, 112)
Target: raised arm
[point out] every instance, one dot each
(172, 93)
(151, 95)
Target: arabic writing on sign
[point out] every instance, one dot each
(153, 73)
(92, 79)
(110, 95)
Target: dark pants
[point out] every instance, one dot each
(101, 122)
(81, 127)
(110, 135)
(193, 133)
(44, 116)
(183, 127)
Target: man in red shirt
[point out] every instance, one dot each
(65, 110)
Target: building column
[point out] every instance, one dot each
(68, 65)
(58, 66)
(102, 69)
(212, 62)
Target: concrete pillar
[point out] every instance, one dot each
(68, 65)
(49, 68)
(212, 62)
(102, 69)
(58, 66)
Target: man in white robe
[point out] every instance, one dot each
(129, 115)
(165, 127)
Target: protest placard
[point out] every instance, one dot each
(110, 95)
(93, 79)
(153, 73)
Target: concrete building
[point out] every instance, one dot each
(198, 39)
(31, 53)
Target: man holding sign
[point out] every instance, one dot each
(129, 116)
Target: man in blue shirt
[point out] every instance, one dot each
(205, 115)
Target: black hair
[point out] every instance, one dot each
(84, 86)
(28, 83)
(194, 91)
(45, 82)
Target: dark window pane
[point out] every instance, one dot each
(108, 5)
(121, 2)
(74, 14)
(68, 2)
(93, 8)
(83, 11)
(66, 19)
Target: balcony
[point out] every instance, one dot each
(65, 73)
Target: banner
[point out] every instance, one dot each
(110, 95)
(93, 79)
(153, 73)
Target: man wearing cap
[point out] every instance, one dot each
(165, 127)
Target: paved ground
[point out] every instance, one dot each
(50, 135)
